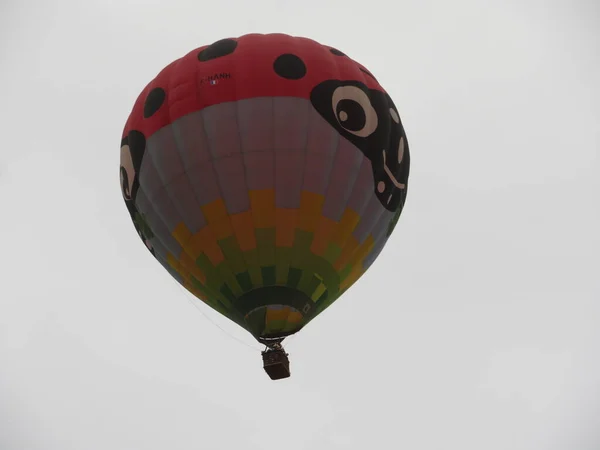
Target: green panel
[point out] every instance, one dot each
(274, 295)
(284, 257)
(294, 277)
(226, 291)
(273, 326)
(251, 258)
(268, 275)
(244, 281)
(301, 247)
(323, 305)
(214, 300)
(288, 327)
(345, 272)
(332, 253)
(325, 270)
(229, 278)
(265, 243)
(305, 281)
(323, 297)
(314, 283)
(233, 254)
(256, 321)
(213, 278)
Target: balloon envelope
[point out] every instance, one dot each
(265, 173)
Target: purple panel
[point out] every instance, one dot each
(291, 120)
(221, 127)
(150, 180)
(232, 183)
(203, 179)
(363, 189)
(372, 256)
(346, 166)
(320, 149)
(255, 122)
(164, 207)
(156, 223)
(161, 147)
(379, 233)
(368, 219)
(260, 170)
(192, 143)
(288, 178)
(182, 195)
(379, 229)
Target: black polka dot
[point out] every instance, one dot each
(217, 49)
(336, 52)
(154, 101)
(289, 66)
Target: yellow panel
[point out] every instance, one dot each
(178, 267)
(320, 289)
(190, 287)
(345, 227)
(181, 233)
(277, 313)
(214, 210)
(311, 205)
(286, 226)
(243, 227)
(218, 218)
(208, 241)
(190, 265)
(263, 208)
(173, 262)
(354, 275)
(362, 251)
(322, 237)
(222, 228)
(195, 246)
(294, 317)
(349, 248)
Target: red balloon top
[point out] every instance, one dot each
(253, 65)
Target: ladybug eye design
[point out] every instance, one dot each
(127, 172)
(353, 111)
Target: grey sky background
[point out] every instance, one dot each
(477, 327)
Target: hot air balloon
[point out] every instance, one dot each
(265, 173)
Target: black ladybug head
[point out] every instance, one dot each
(369, 119)
(133, 147)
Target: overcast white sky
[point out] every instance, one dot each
(484, 325)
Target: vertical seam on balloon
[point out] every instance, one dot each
(339, 138)
(363, 209)
(243, 159)
(217, 295)
(184, 174)
(217, 178)
(187, 175)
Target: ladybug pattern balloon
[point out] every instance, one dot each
(265, 173)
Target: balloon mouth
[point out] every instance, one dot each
(274, 321)
(274, 312)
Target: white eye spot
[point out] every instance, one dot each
(381, 186)
(127, 166)
(395, 116)
(354, 111)
(401, 149)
